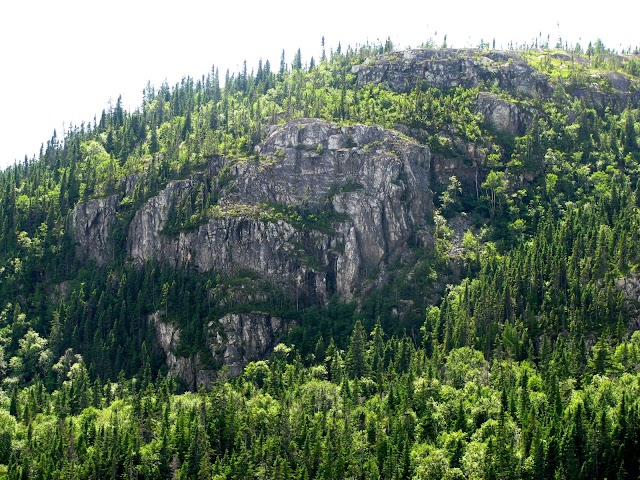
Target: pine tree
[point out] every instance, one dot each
(356, 361)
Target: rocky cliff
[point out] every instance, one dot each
(369, 186)
(234, 340)
(506, 71)
(91, 224)
(448, 68)
(321, 210)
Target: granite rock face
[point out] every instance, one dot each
(91, 224)
(502, 115)
(238, 338)
(234, 340)
(371, 184)
(448, 68)
(630, 287)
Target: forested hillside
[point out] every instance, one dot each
(374, 264)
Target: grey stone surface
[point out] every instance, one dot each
(378, 180)
(91, 223)
(234, 340)
(448, 68)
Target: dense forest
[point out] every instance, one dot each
(507, 346)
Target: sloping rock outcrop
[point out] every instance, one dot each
(612, 90)
(448, 68)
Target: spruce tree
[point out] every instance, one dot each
(356, 361)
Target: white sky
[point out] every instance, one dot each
(61, 61)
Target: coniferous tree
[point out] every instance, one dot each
(356, 360)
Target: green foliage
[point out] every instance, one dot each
(476, 420)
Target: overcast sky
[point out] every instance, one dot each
(62, 61)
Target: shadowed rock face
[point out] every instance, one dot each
(234, 340)
(91, 224)
(630, 288)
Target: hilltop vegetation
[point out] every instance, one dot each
(503, 322)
